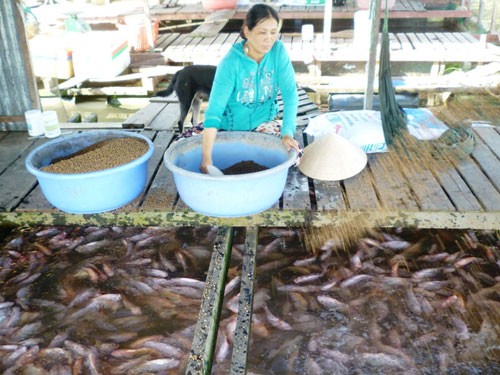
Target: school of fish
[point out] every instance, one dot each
(120, 300)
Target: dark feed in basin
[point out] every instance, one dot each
(245, 166)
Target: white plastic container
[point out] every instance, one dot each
(35, 123)
(51, 124)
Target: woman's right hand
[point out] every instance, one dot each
(203, 166)
(209, 135)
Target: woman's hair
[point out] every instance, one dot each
(256, 14)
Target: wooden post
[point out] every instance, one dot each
(327, 24)
(149, 30)
(494, 19)
(146, 8)
(480, 14)
(372, 58)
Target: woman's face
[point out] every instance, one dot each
(262, 37)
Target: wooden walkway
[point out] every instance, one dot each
(173, 10)
(178, 49)
(405, 47)
(312, 60)
(464, 195)
(176, 10)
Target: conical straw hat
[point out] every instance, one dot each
(332, 158)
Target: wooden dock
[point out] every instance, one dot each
(430, 47)
(433, 50)
(464, 195)
(177, 10)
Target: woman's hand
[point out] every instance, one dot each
(203, 167)
(209, 135)
(290, 143)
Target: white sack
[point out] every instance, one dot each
(364, 127)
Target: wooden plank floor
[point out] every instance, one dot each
(174, 10)
(402, 9)
(405, 47)
(465, 194)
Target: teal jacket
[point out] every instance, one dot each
(244, 93)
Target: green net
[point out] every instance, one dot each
(392, 115)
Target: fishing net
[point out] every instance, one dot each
(393, 116)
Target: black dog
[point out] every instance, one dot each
(191, 84)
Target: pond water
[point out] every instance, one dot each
(107, 110)
(116, 300)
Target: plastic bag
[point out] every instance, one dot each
(423, 125)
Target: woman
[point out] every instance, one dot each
(247, 82)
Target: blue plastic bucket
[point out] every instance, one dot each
(230, 195)
(93, 192)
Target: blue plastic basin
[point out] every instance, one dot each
(230, 195)
(93, 192)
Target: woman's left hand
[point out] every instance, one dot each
(290, 143)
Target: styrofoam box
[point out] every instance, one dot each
(51, 56)
(100, 54)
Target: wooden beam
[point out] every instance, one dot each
(317, 13)
(108, 91)
(356, 83)
(269, 218)
(90, 125)
(214, 23)
(205, 334)
(245, 304)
